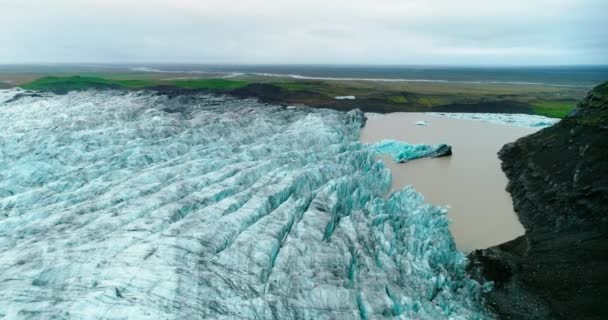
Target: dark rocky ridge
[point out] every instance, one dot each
(270, 93)
(505, 106)
(558, 178)
(309, 93)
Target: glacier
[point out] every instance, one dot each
(8, 94)
(117, 205)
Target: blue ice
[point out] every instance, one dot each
(119, 205)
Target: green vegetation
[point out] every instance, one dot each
(595, 107)
(65, 84)
(371, 96)
(429, 101)
(554, 109)
(397, 99)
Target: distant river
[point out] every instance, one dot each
(578, 76)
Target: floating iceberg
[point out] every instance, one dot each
(345, 98)
(122, 205)
(519, 120)
(404, 152)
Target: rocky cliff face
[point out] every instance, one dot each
(559, 184)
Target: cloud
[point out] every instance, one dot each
(314, 31)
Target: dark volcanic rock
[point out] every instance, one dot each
(25, 94)
(174, 91)
(264, 92)
(269, 93)
(503, 106)
(558, 178)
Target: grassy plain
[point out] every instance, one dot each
(554, 109)
(83, 83)
(370, 95)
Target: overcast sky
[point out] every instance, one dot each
(445, 32)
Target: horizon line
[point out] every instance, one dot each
(131, 63)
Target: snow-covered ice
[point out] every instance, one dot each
(121, 205)
(422, 123)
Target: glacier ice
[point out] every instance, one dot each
(8, 94)
(119, 205)
(403, 152)
(518, 120)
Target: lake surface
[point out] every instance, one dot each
(470, 182)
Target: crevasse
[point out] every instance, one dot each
(121, 205)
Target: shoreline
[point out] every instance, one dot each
(557, 270)
(470, 182)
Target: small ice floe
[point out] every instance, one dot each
(291, 107)
(373, 115)
(345, 98)
(422, 123)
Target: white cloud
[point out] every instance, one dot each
(314, 31)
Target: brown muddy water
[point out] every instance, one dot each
(470, 182)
